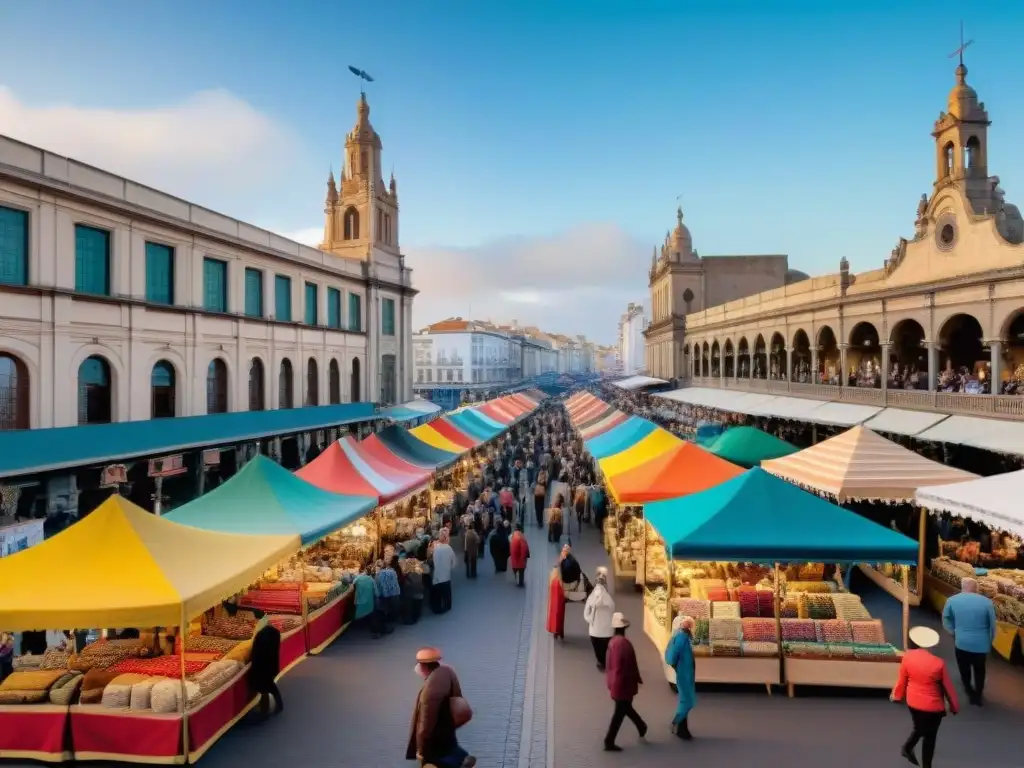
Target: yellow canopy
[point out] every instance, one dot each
(435, 439)
(124, 567)
(653, 445)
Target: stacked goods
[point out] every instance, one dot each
(833, 631)
(106, 653)
(951, 571)
(38, 686)
(629, 544)
(1009, 609)
(689, 606)
(725, 610)
(165, 666)
(798, 630)
(656, 601)
(279, 597)
(816, 606)
(760, 630)
(229, 627)
(1004, 586)
(790, 607)
(849, 607)
(870, 632)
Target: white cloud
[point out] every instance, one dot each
(211, 148)
(576, 281)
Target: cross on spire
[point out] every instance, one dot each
(963, 46)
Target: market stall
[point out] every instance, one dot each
(593, 418)
(753, 556)
(124, 567)
(862, 469)
(413, 450)
(265, 498)
(442, 433)
(994, 503)
(342, 469)
(618, 439)
(477, 425)
(748, 446)
(609, 422)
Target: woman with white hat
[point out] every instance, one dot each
(924, 683)
(597, 612)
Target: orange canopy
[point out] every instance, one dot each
(680, 471)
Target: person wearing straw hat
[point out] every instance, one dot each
(924, 683)
(440, 710)
(623, 677)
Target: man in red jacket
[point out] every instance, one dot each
(519, 553)
(623, 675)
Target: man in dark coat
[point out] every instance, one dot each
(266, 664)
(432, 735)
(623, 676)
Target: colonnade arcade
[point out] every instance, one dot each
(958, 358)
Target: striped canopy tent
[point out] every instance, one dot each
(379, 455)
(526, 403)
(495, 410)
(588, 412)
(535, 394)
(585, 401)
(442, 433)
(648, 447)
(520, 407)
(410, 411)
(862, 465)
(686, 468)
(628, 433)
(342, 468)
(597, 428)
(593, 418)
(476, 424)
(580, 398)
(265, 498)
(407, 446)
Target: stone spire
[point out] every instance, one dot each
(332, 190)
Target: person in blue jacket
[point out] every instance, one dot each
(679, 656)
(971, 619)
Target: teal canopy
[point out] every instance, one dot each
(748, 446)
(412, 450)
(476, 425)
(265, 498)
(758, 517)
(620, 437)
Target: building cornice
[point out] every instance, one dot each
(674, 322)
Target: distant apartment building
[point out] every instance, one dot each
(632, 344)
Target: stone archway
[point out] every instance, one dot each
(759, 367)
(829, 360)
(962, 354)
(778, 359)
(743, 358)
(729, 359)
(800, 357)
(908, 358)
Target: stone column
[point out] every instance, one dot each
(933, 365)
(842, 363)
(721, 368)
(886, 364)
(815, 378)
(787, 361)
(996, 346)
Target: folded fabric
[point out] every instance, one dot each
(162, 666)
(868, 632)
(833, 631)
(205, 644)
(37, 680)
(760, 630)
(798, 629)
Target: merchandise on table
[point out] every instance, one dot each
(1004, 586)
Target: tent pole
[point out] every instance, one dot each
(778, 625)
(906, 607)
(183, 633)
(922, 531)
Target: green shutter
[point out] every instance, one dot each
(253, 292)
(387, 317)
(311, 308)
(92, 260)
(13, 246)
(355, 312)
(283, 298)
(159, 273)
(215, 285)
(333, 308)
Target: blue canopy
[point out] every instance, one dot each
(757, 517)
(476, 425)
(411, 411)
(265, 498)
(620, 437)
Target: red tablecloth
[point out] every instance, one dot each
(326, 622)
(122, 736)
(210, 721)
(293, 647)
(34, 732)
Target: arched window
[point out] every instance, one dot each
(334, 383)
(95, 394)
(351, 224)
(947, 159)
(257, 400)
(284, 385)
(217, 387)
(14, 397)
(312, 382)
(356, 379)
(162, 387)
(972, 153)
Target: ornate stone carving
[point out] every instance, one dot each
(896, 256)
(921, 223)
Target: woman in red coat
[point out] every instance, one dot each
(924, 683)
(556, 605)
(518, 554)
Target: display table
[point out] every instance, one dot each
(326, 624)
(891, 586)
(293, 649)
(731, 670)
(34, 732)
(841, 673)
(218, 714)
(102, 733)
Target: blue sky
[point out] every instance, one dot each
(545, 143)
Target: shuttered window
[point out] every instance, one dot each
(159, 273)
(253, 292)
(283, 298)
(333, 308)
(92, 260)
(13, 246)
(387, 317)
(355, 312)
(215, 285)
(311, 307)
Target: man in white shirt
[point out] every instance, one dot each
(444, 562)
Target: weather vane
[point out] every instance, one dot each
(362, 74)
(963, 46)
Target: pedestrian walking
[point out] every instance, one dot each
(540, 495)
(556, 605)
(443, 565)
(366, 613)
(598, 612)
(971, 619)
(500, 546)
(679, 656)
(924, 682)
(471, 547)
(519, 553)
(266, 664)
(439, 712)
(389, 593)
(624, 681)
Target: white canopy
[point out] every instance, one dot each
(638, 382)
(995, 501)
